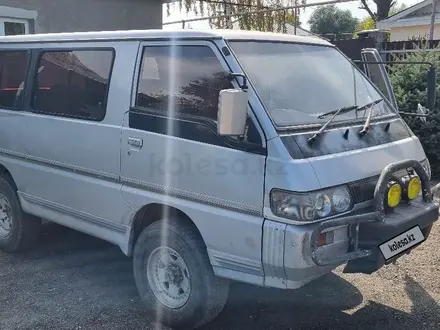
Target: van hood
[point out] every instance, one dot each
(364, 163)
(337, 159)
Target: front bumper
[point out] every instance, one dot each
(292, 256)
(368, 230)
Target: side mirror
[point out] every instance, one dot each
(431, 88)
(232, 112)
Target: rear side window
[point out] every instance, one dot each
(73, 83)
(181, 80)
(13, 69)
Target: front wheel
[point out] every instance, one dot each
(18, 230)
(174, 276)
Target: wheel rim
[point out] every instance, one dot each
(168, 277)
(5, 216)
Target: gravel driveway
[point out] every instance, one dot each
(73, 281)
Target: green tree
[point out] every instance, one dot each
(332, 20)
(241, 11)
(369, 23)
(410, 87)
(366, 23)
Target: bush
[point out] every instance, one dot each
(410, 87)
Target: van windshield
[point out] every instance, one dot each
(299, 82)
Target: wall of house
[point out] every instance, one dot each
(407, 32)
(84, 15)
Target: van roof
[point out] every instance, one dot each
(161, 34)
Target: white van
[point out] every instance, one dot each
(208, 157)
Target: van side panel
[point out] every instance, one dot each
(211, 184)
(230, 236)
(67, 170)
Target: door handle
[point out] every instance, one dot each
(136, 142)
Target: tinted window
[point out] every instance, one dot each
(73, 83)
(13, 68)
(13, 28)
(181, 79)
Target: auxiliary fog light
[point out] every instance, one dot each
(394, 194)
(413, 187)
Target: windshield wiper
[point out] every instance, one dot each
(345, 110)
(334, 113)
(338, 111)
(367, 122)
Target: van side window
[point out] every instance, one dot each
(73, 83)
(181, 80)
(13, 69)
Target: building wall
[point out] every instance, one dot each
(407, 32)
(86, 15)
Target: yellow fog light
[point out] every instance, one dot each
(414, 187)
(394, 195)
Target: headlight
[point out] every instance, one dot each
(310, 206)
(323, 205)
(426, 166)
(341, 200)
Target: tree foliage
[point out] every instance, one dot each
(273, 21)
(368, 23)
(330, 19)
(410, 87)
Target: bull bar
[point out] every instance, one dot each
(377, 215)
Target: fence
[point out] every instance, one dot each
(388, 49)
(353, 47)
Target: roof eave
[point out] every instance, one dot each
(413, 21)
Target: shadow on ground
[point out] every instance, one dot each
(322, 305)
(74, 281)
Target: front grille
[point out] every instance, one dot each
(363, 190)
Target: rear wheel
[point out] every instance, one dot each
(174, 276)
(18, 230)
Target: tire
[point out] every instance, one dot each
(207, 294)
(18, 230)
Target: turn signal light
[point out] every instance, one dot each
(326, 238)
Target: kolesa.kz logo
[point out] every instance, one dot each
(401, 243)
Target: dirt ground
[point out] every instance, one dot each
(73, 281)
